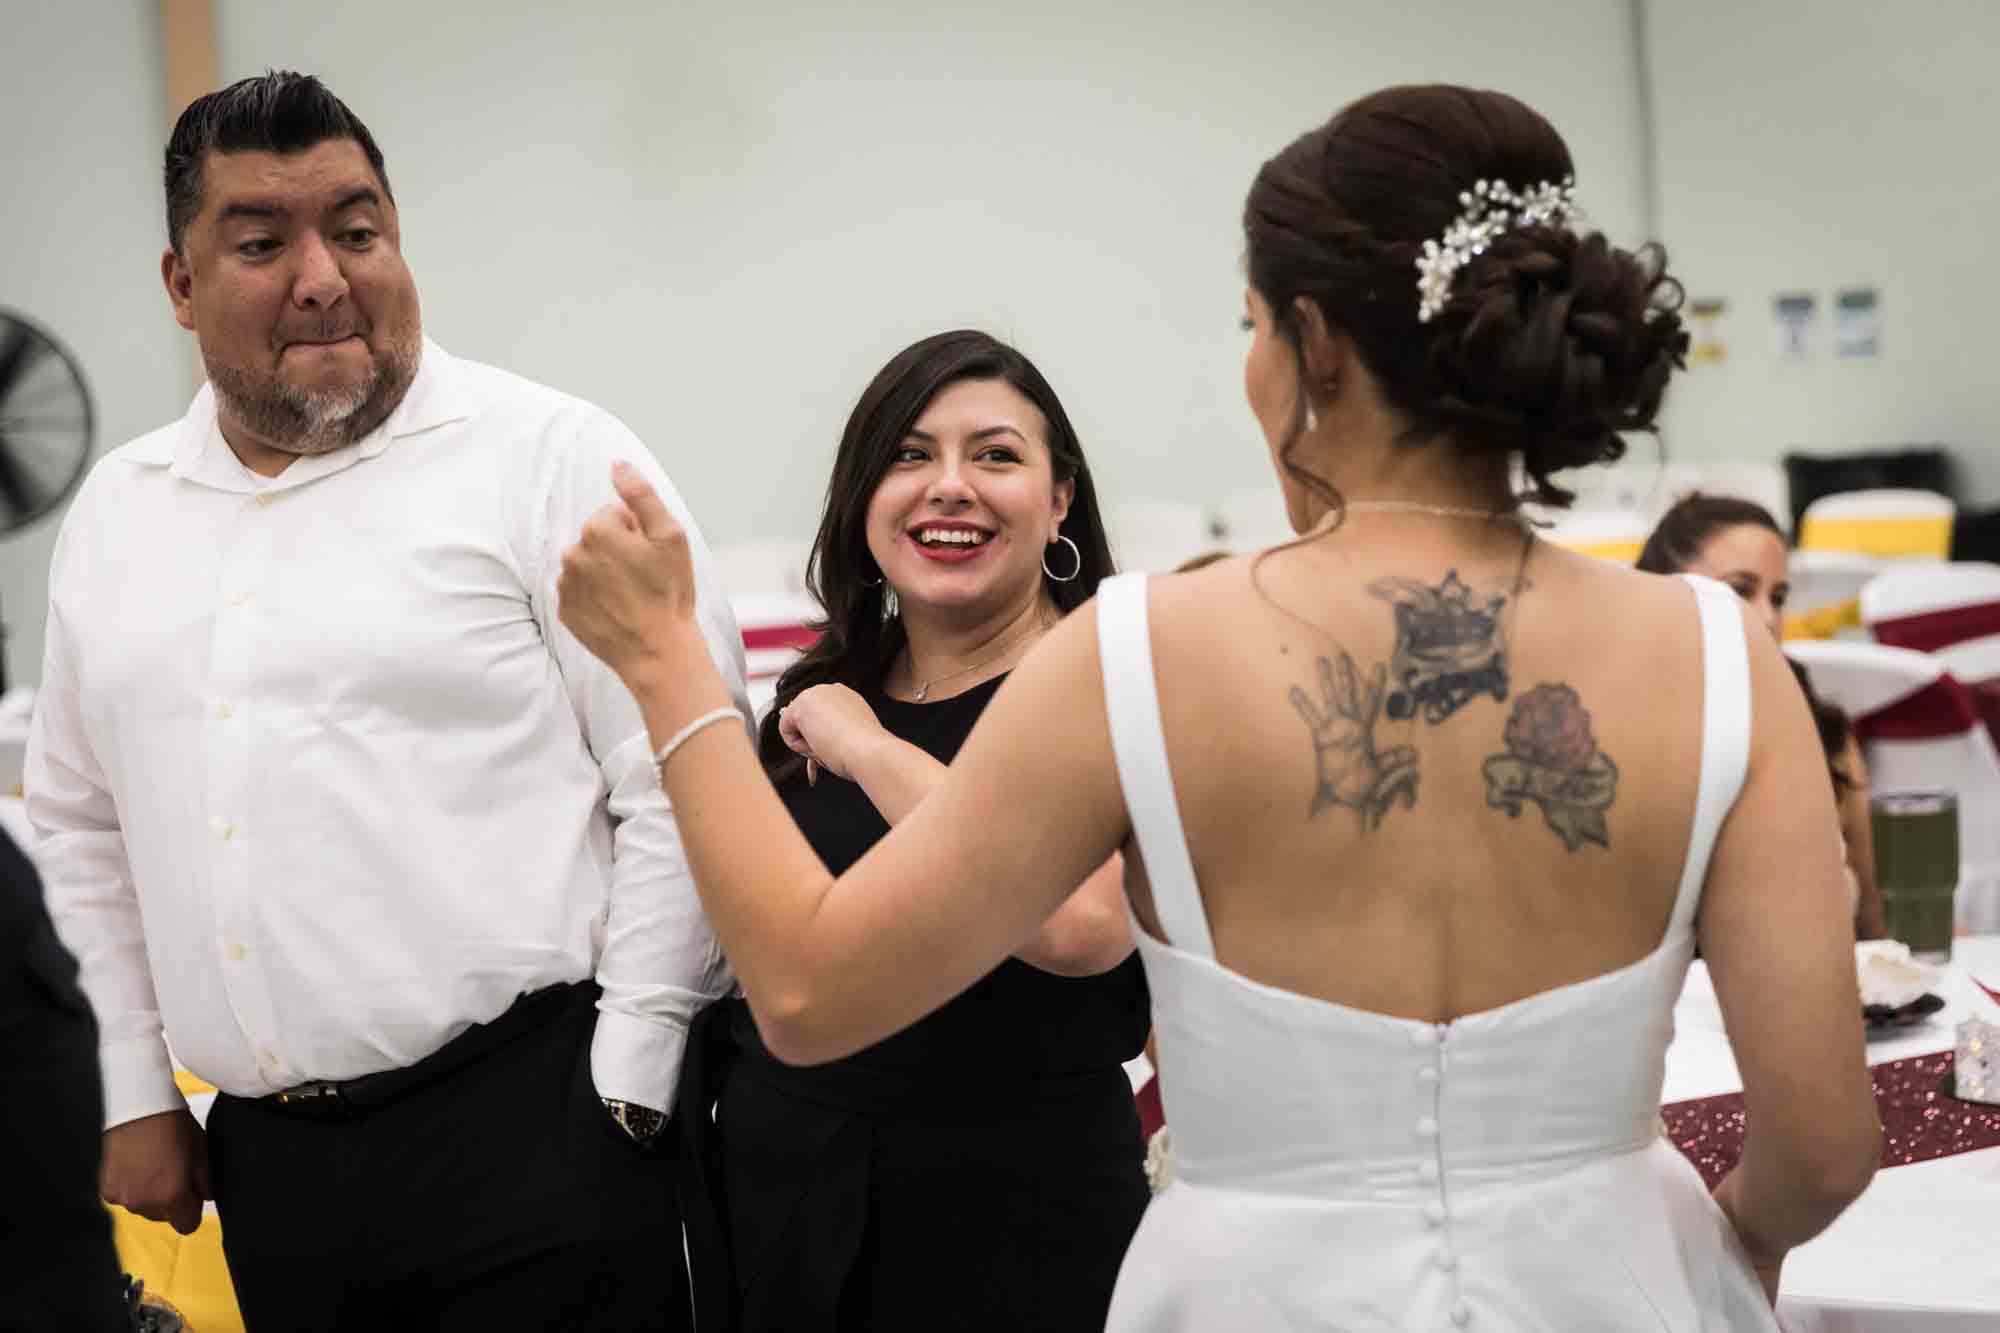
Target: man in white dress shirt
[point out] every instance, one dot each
(329, 799)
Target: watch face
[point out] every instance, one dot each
(639, 1122)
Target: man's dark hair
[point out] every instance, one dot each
(280, 111)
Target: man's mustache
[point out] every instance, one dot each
(321, 331)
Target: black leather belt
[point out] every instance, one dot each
(356, 1097)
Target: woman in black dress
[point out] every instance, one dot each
(982, 1169)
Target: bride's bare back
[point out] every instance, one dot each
(1452, 768)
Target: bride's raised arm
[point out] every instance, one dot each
(1027, 811)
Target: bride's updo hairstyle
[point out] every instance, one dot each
(1547, 344)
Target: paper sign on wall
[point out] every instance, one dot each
(1857, 322)
(1706, 316)
(1795, 313)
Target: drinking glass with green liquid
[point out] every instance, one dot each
(1916, 863)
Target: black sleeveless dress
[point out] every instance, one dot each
(982, 1169)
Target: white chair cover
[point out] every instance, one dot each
(1609, 534)
(1920, 732)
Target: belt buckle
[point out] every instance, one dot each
(313, 1097)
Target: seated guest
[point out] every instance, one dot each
(1740, 544)
(982, 1169)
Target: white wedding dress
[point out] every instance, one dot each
(1341, 1169)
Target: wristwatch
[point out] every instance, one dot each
(640, 1123)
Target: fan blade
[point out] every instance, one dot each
(19, 350)
(13, 486)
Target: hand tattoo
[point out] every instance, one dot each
(1352, 772)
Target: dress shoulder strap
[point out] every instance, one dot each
(1725, 734)
(1132, 704)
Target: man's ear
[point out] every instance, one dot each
(179, 279)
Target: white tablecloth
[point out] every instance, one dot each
(1920, 1251)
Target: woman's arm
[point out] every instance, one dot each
(1031, 808)
(1089, 934)
(1775, 931)
(1858, 828)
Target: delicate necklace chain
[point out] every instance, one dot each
(1442, 511)
(924, 688)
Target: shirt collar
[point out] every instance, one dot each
(197, 452)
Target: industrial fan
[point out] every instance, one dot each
(46, 425)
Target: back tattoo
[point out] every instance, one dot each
(1451, 650)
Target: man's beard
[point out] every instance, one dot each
(305, 422)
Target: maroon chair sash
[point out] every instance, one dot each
(1944, 707)
(1928, 631)
(768, 638)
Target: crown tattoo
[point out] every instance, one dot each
(1484, 212)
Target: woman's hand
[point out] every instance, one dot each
(1767, 1264)
(629, 580)
(832, 726)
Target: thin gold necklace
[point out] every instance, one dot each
(925, 688)
(1442, 511)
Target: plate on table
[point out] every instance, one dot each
(1887, 1017)
(1895, 988)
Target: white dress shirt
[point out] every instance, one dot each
(319, 778)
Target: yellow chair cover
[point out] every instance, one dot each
(1824, 622)
(1620, 552)
(189, 1271)
(1928, 535)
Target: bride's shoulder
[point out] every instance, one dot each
(1592, 585)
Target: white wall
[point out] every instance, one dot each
(1812, 146)
(82, 97)
(718, 220)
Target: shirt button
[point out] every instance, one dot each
(223, 710)
(1427, 1128)
(222, 828)
(1446, 1261)
(240, 597)
(1427, 1074)
(1433, 1215)
(236, 952)
(1427, 1171)
(263, 497)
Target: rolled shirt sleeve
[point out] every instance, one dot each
(660, 962)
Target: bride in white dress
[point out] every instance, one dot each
(1422, 817)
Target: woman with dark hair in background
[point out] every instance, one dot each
(983, 1168)
(1419, 839)
(1738, 543)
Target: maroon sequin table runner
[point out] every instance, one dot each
(1919, 1122)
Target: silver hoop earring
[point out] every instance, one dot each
(1312, 419)
(1071, 576)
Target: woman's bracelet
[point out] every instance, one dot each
(680, 737)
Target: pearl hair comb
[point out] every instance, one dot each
(1485, 211)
